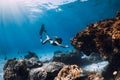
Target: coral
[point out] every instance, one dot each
(102, 37)
(71, 72)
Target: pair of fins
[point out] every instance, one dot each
(42, 29)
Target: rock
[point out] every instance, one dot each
(19, 69)
(67, 58)
(102, 37)
(117, 76)
(33, 62)
(9, 73)
(52, 69)
(47, 72)
(71, 72)
(30, 55)
(94, 76)
(37, 74)
(15, 70)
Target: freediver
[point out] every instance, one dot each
(56, 42)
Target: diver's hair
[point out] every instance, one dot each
(59, 40)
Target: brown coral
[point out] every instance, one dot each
(69, 73)
(102, 37)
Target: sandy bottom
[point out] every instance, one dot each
(96, 67)
(2, 62)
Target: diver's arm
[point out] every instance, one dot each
(43, 42)
(64, 46)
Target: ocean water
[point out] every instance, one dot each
(20, 22)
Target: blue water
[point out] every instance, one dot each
(20, 22)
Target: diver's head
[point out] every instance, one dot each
(59, 40)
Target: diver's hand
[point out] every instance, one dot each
(66, 46)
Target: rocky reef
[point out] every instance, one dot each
(47, 72)
(31, 68)
(103, 38)
(18, 69)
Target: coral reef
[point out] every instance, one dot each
(69, 73)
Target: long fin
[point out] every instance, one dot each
(42, 29)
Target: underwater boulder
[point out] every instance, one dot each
(71, 72)
(102, 37)
(30, 55)
(48, 71)
(37, 74)
(67, 58)
(15, 70)
(32, 60)
(9, 73)
(52, 69)
(19, 69)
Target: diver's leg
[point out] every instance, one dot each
(64, 46)
(42, 29)
(41, 40)
(47, 39)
